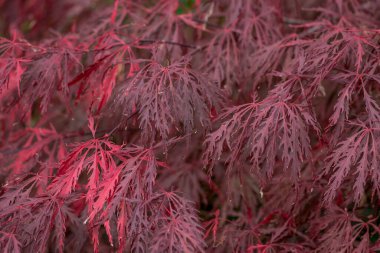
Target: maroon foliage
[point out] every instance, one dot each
(189, 126)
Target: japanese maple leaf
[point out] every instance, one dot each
(43, 144)
(44, 215)
(355, 156)
(260, 132)
(49, 73)
(178, 220)
(341, 231)
(167, 97)
(161, 22)
(111, 58)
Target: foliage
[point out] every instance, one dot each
(189, 126)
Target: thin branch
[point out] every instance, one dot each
(165, 42)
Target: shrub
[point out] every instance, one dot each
(189, 126)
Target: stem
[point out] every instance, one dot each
(165, 42)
